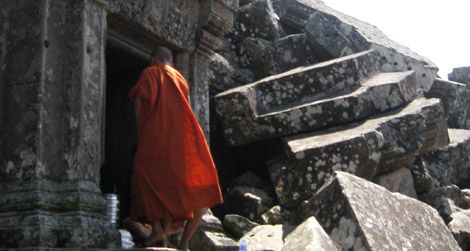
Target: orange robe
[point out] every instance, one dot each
(173, 168)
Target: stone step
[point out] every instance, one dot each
(451, 163)
(385, 91)
(381, 144)
(304, 84)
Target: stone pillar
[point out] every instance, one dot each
(50, 132)
(216, 19)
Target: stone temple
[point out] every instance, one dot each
(327, 134)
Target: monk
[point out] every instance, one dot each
(174, 177)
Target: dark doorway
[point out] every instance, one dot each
(123, 68)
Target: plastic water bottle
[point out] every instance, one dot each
(243, 245)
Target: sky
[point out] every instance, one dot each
(436, 29)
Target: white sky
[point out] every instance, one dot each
(436, 29)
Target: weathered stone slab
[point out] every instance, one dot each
(376, 146)
(264, 237)
(460, 228)
(244, 121)
(400, 181)
(339, 34)
(451, 164)
(238, 225)
(306, 83)
(456, 100)
(248, 202)
(461, 75)
(360, 215)
(309, 236)
(256, 19)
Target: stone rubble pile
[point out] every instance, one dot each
(375, 147)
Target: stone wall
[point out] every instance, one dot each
(52, 96)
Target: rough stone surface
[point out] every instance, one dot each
(273, 216)
(265, 237)
(461, 75)
(237, 225)
(451, 164)
(339, 34)
(292, 102)
(447, 201)
(422, 178)
(309, 236)
(379, 145)
(257, 19)
(212, 241)
(400, 181)
(248, 202)
(456, 100)
(460, 228)
(359, 215)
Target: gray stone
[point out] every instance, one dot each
(248, 202)
(309, 236)
(451, 164)
(339, 34)
(400, 181)
(461, 75)
(422, 178)
(360, 215)
(264, 237)
(257, 55)
(456, 100)
(256, 19)
(447, 201)
(210, 223)
(212, 241)
(273, 216)
(460, 228)
(237, 225)
(291, 102)
(377, 146)
(291, 52)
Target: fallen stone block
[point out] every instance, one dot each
(273, 216)
(451, 164)
(447, 201)
(248, 202)
(456, 101)
(309, 236)
(460, 228)
(400, 181)
(360, 215)
(339, 34)
(264, 237)
(423, 180)
(461, 75)
(246, 118)
(379, 145)
(238, 225)
(212, 241)
(291, 52)
(256, 19)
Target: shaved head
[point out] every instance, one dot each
(161, 55)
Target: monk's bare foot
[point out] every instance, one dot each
(138, 229)
(157, 240)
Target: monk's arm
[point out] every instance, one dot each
(137, 107)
